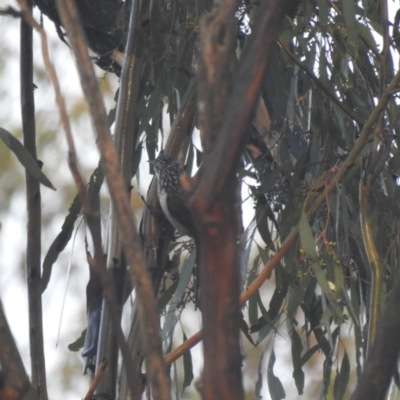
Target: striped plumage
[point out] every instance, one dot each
(171, 195)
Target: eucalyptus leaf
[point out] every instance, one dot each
(61, 241)
(308, 243)
(78, 344)
(187, 367)
(349, 12)
(274, 384)
(342, 379)
(25, 158)
(172, 318)
(297, 349)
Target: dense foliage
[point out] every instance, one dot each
(321, 162)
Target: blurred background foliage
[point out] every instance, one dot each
(306, 330)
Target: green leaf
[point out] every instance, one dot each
(274, 384)
(350, 308)
(245, 329)
(136, 157)
(187, 367)
(166, 296)
(281, 289)
(349, 12)
(259, 383)
(95, 183)
(262, 225)
(264, 332)
(309, 354)
(25, 158)
(323, 15)
(245, 243)
(171, 319)
(113, 112)
(308, 243)
(298, 373)
(342, 379)
(78, 344)
(295, 297)
(263, 254)
(60, 241)
(394, 163)
(307, 238)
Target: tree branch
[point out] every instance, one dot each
(11, 361)
(125, 138)
(93, 220)
(146, 301)
(223, 124)
(384, 353)
(33, 199)
(240, 108)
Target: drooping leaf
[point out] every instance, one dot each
(187, 367)
(323, 15)
(266, 330)
(297, 349)
(60, 241)
(25, 157)
(342, 379)
(308, 243)
(171, 318)
(275, 386)
(349, 12)
(165, 298)
(245, 329)
(259, 382)
(78, 344)
(95, 183)
(245, 254)
(309, 353)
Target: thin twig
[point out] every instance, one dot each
(373, 258)
(99, 373)
(10, 11)
(34, 214)
(373, 165)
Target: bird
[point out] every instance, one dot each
(171, 195)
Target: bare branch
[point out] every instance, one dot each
(33, 199)
(125, 138)
(384, 353)
(99, 374)
(10, 11)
